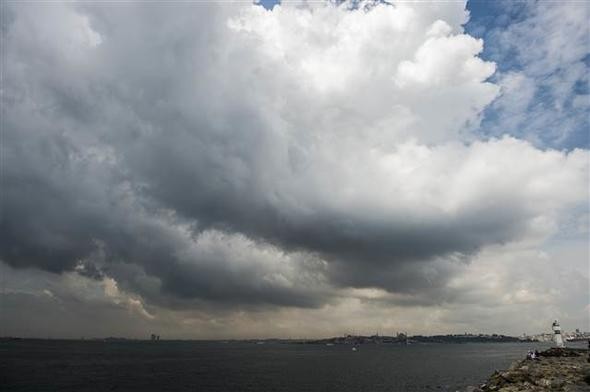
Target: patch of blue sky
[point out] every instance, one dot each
(552, 118)
(268, 4)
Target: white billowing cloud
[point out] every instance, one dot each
(319, 158)
(443, 60)
(371, 73)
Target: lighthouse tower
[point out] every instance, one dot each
(557, 334)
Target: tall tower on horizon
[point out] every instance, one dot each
(557, 338)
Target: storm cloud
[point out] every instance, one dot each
(247, 157)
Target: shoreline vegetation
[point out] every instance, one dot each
(556, 369)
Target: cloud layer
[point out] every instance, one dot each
(241, 158)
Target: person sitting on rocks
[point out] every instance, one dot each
(529, 355)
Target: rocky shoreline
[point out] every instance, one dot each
(556, 369)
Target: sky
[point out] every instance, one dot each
(211, 170)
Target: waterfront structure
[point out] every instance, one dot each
(557, 338)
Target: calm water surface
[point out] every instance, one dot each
(216, 366)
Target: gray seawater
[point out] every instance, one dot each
(30, 365)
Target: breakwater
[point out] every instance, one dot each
(556, 369)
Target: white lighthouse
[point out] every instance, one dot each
(557, 334)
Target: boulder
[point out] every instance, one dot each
(557, 369)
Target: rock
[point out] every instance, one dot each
(576, 388)
(556, 370)
(557, 383)
(544, 382)
(560, 352)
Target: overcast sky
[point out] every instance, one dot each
(216, 169)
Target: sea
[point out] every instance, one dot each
(215, 366)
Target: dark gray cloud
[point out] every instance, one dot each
(126, 146)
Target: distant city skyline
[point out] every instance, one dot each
(213, 170)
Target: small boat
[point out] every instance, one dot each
(354, 349)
